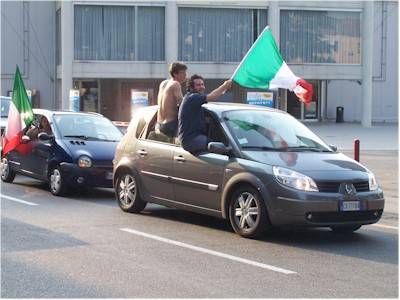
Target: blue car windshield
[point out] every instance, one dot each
(87, 127)
(5, 106)
(274, 131)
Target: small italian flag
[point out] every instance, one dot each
(20, 115)
(263, 68)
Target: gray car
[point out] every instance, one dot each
(263, 169)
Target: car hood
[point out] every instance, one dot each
(99, 151)
(306, 161)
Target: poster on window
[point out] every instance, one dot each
(74, 100)
(260, 98)
(139, 99)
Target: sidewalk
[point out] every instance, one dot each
(378, 152)
(342, 135)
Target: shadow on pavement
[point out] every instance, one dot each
(20, 236)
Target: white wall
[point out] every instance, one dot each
(37, 59)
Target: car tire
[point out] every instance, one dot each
(7, 174)
(247, 213)
(57, 184)
(127, 193)
(343, 229)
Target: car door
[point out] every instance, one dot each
(153, 155)
(36, 160)
(198, 179)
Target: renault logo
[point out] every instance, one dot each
(349, 189)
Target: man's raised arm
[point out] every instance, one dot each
(215, 94)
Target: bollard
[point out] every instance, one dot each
(357, 150)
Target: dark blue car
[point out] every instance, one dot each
(77, 149)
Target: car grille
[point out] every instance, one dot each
(333, 187)
(344, 216)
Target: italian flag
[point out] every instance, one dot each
(20, 115)
(263, 68)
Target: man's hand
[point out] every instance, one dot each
(227, 84)
(25, 139)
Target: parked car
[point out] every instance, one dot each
(263, 169)
(122, 126)
(78, 151)
(5, 106)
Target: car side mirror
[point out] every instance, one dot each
(44, 137)
(334, 148)
(219, 148)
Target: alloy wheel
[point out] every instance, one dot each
(127, 190)
(246, 211)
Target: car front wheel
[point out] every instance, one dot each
(247, 213)
(7, 174)
(345, 228)
(127, 193)
(56, 182)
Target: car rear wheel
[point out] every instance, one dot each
(56, 182)
(127, 193)
(7, 174)
(247, 213)
(345, 228)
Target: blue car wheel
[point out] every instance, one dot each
(56, 182)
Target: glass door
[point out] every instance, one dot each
(299, 110)
(89, 95)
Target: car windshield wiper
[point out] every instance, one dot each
(306, 148)
(264, 148)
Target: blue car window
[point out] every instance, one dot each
(87, 127)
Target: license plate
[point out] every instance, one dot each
(350, 206)
(109, 175)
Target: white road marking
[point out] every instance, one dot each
(204, 250)
(385, 226)
(18, 200)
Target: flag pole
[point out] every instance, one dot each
(252, 46)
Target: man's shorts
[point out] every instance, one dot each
(170, 129)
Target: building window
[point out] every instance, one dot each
(320, 37)
(108, 33)
(218, 34)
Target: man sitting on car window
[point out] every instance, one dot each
(192, 124)
(33, 132)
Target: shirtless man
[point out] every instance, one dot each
(169, 98)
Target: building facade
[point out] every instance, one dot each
(113, 55)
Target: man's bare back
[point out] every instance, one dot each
(169, 98)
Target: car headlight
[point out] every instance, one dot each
(373, 184)
(84, 162)
(294, 179)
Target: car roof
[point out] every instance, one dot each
(221, 107)
(48, 112)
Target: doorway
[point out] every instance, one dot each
(298, 110)
(89, 95)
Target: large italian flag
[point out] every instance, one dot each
(20, 115)
(263, 68)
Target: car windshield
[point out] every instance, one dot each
(87, 127)
(260, 130)
(5, 106)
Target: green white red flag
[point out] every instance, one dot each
(263, 68)
(20, 115)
